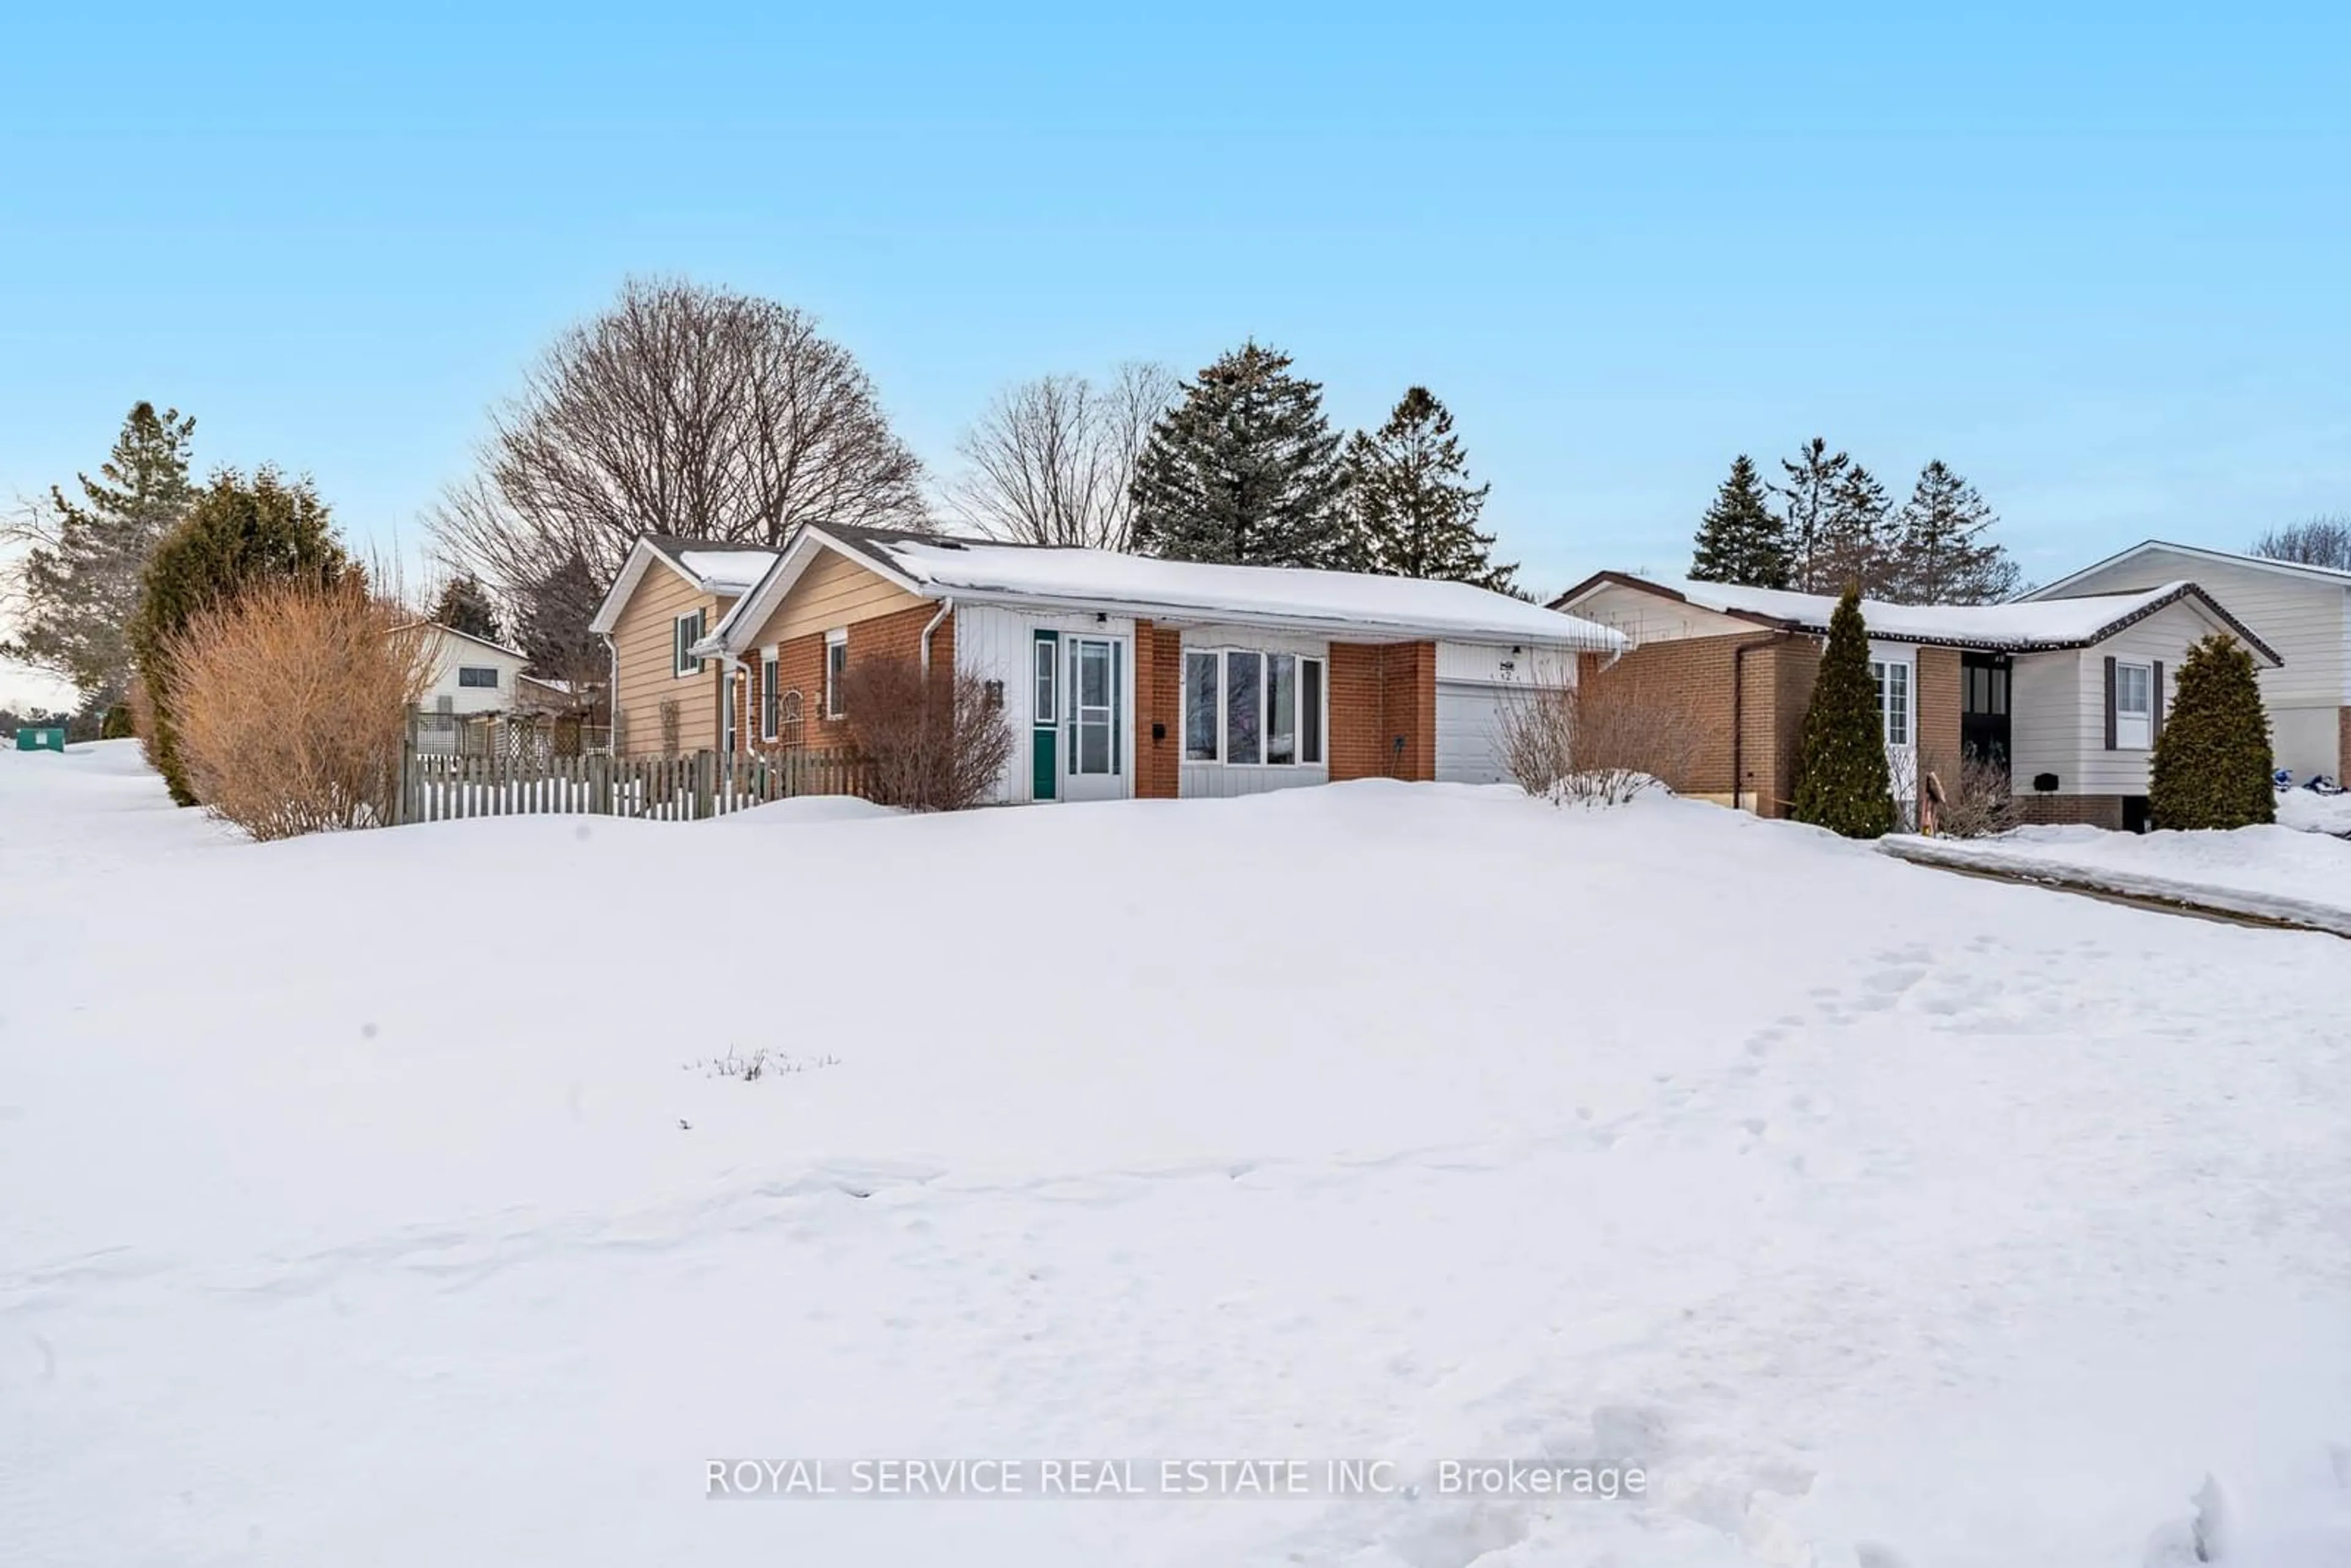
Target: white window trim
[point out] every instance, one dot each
(1880, 676)
(490, 669)
(771, 701)
(833, 695)
(1224, 690)
(2141, 723)
(683, 664)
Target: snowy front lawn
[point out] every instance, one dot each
(2271, 870)
(370, 1200)
(2314, 813)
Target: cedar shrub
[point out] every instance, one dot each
(2213, 763)
(1841, 782)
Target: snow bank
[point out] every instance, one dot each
(2276, 872)
(2314, 813)
(373, 1199)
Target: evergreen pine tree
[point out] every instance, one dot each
(1244, 468)
(81, 590)
(1809, 495)
(1739, 539)
(1410, 504)
(1842, 781)
(1855, 546)
(237, 533)
(553, 632)
(2212, 765)
(464, 606)
(1943, 551)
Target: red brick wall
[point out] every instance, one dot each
(2093, 810)
(799, 666)
(1158, 700)
(1694, 676)
(1379, 692)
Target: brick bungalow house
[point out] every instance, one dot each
(2067, 695)
(1122, 676)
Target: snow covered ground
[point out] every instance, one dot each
(369, 1200)
(2314, 813)
(2269, 871)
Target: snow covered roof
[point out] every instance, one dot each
(1092, 579)
(728, 570)
(2326, 574)
(2021, 627)
(712, 566)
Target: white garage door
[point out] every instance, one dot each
(1470, 734)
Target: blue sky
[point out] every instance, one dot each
(2098, 262)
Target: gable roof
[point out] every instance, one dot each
(444, 628)
(711, 565)
(2326, 574)
(2018, 627)
(1107, 581)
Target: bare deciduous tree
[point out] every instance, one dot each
(1051, 460)
(681, 409)
(2316, 541)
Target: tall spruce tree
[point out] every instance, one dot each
(553, 630)
(1410, 503)
(464, 606)
(1244, 468)
(1808, 495)
(1944, 553)
(1855, 546)
(2212, 765)
(81, 587)
(1842, 780)
(1739, 539)
(238, 532)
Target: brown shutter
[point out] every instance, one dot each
(2110, 702)
(2155, 703)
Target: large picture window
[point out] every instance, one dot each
(1893, 679)
(1245, 708)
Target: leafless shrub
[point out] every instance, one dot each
(291, 705)
(143, 720)
(1979, 800)
(1599, 742)
(934, 741)
(672, 727)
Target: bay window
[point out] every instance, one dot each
(1245, 708)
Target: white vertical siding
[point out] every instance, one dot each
(998, 645)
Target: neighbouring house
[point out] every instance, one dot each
(2066, 695)
(1120, 675)
(470, 674)
(2302, 611)
(671, 593)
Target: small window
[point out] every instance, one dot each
(484, 676)
(1280, 709)
(684, 632)
(1200, 703)
(771, 708)
(836, 673)
(1048, 707)
(1893, 699)
(2134, 706)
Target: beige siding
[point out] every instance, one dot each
(2303, 619)
(641, 645)
(2057, 705)
(1647, 617)
(833, 591)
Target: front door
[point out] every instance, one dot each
(1094, 730)
(1983, 710)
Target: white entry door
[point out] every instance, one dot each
(1094, 730)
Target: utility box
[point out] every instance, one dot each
(47, 738)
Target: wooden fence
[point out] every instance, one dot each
(437, 787)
